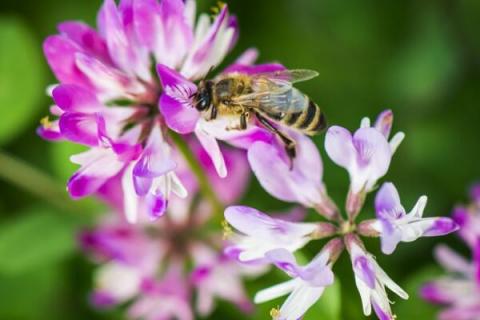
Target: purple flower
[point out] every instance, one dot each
(259, 233)
(371, 281)
(153, 262)
(395, 225)
(384, 125)
(468, 217)
(302, 183)
(366, 155)
(307, 284)
(459, 290)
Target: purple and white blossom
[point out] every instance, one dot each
(307, 284)
(459, 289)
(371, 281)
(366, 155)
(260, 233)
(395, 225)
(302, 183)
(168, 261)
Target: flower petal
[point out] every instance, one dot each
(387, 202)
(85, 37)
(276, 291)
(339, 146)
(74, 98)
(60, 53)
(80, 127)
(211, 146)
(98, 165)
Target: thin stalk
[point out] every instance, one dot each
(198, 171)
(34, 181)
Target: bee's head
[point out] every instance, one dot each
(203, 97)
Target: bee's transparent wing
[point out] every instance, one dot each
(291, 76)
(271, 93)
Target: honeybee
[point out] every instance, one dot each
(269, 97)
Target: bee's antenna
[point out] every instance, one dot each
(208, 73)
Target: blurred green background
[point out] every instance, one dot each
(419, 58)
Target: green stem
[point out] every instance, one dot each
(199, 172)
(32, 180)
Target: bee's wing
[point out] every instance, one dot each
(273, 94)
(291, 76)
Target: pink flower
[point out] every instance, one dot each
(150, 265)
(459, 290)
(109, 94)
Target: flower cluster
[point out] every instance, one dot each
(129, 92)
(366, 155)
(150, 265)
(459, 291)
(113, 99)
(122, 93)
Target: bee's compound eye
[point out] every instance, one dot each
(203, 103)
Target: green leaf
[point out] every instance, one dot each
(415, 307)
(39, 237)
(32, 295)
(21, 78)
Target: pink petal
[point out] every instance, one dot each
(71, 97)
(98, 168)
(85, 37)
(384, 123)
(179, 118)
(80, 127)
(60, 53)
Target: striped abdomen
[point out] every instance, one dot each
(310, 120)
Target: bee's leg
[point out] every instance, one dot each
(243, 120)
(213, 112)
(287, 141)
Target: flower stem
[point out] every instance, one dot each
(199, 172)
(32, 180)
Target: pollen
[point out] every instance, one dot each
(45, 122)
(275, 313)
(216, 9)
(227, 230)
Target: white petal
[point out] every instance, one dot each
(365, 123)
(276, 291)
(130, 197)
(301, 299)
(417, 211)
(396, 140)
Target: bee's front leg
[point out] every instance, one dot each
(213, 112)
(243, 120)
